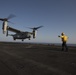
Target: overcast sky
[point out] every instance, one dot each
(56, 16)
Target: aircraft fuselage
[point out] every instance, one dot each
(22, 36)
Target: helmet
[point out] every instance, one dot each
(62, 33)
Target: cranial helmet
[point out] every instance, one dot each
(62, 33)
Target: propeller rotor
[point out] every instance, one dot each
(36, 28)
(11, 16)
(7, 19)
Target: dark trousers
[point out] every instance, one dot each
(64, 46)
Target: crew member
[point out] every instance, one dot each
(64, 39)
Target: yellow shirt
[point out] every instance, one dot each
(64, 38)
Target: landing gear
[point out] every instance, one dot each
(14, 39)
(29, 38)
(22, 39)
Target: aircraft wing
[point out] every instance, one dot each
(13, 30)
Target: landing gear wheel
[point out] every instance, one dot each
(14, 38)
(22, 39)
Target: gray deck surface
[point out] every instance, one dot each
(31, 59)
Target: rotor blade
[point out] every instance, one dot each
(1, 19)
(39, 27)
(35, 28)
(11, 16)
(10, 22)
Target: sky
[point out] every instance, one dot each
(56, 16)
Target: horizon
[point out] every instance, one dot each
(69, 44)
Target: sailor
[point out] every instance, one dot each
(64, 39)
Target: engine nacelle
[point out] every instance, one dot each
(4, 27)
(34, 33)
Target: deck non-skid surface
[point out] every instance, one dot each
(34, 59)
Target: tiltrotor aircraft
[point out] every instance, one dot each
(18, 34)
